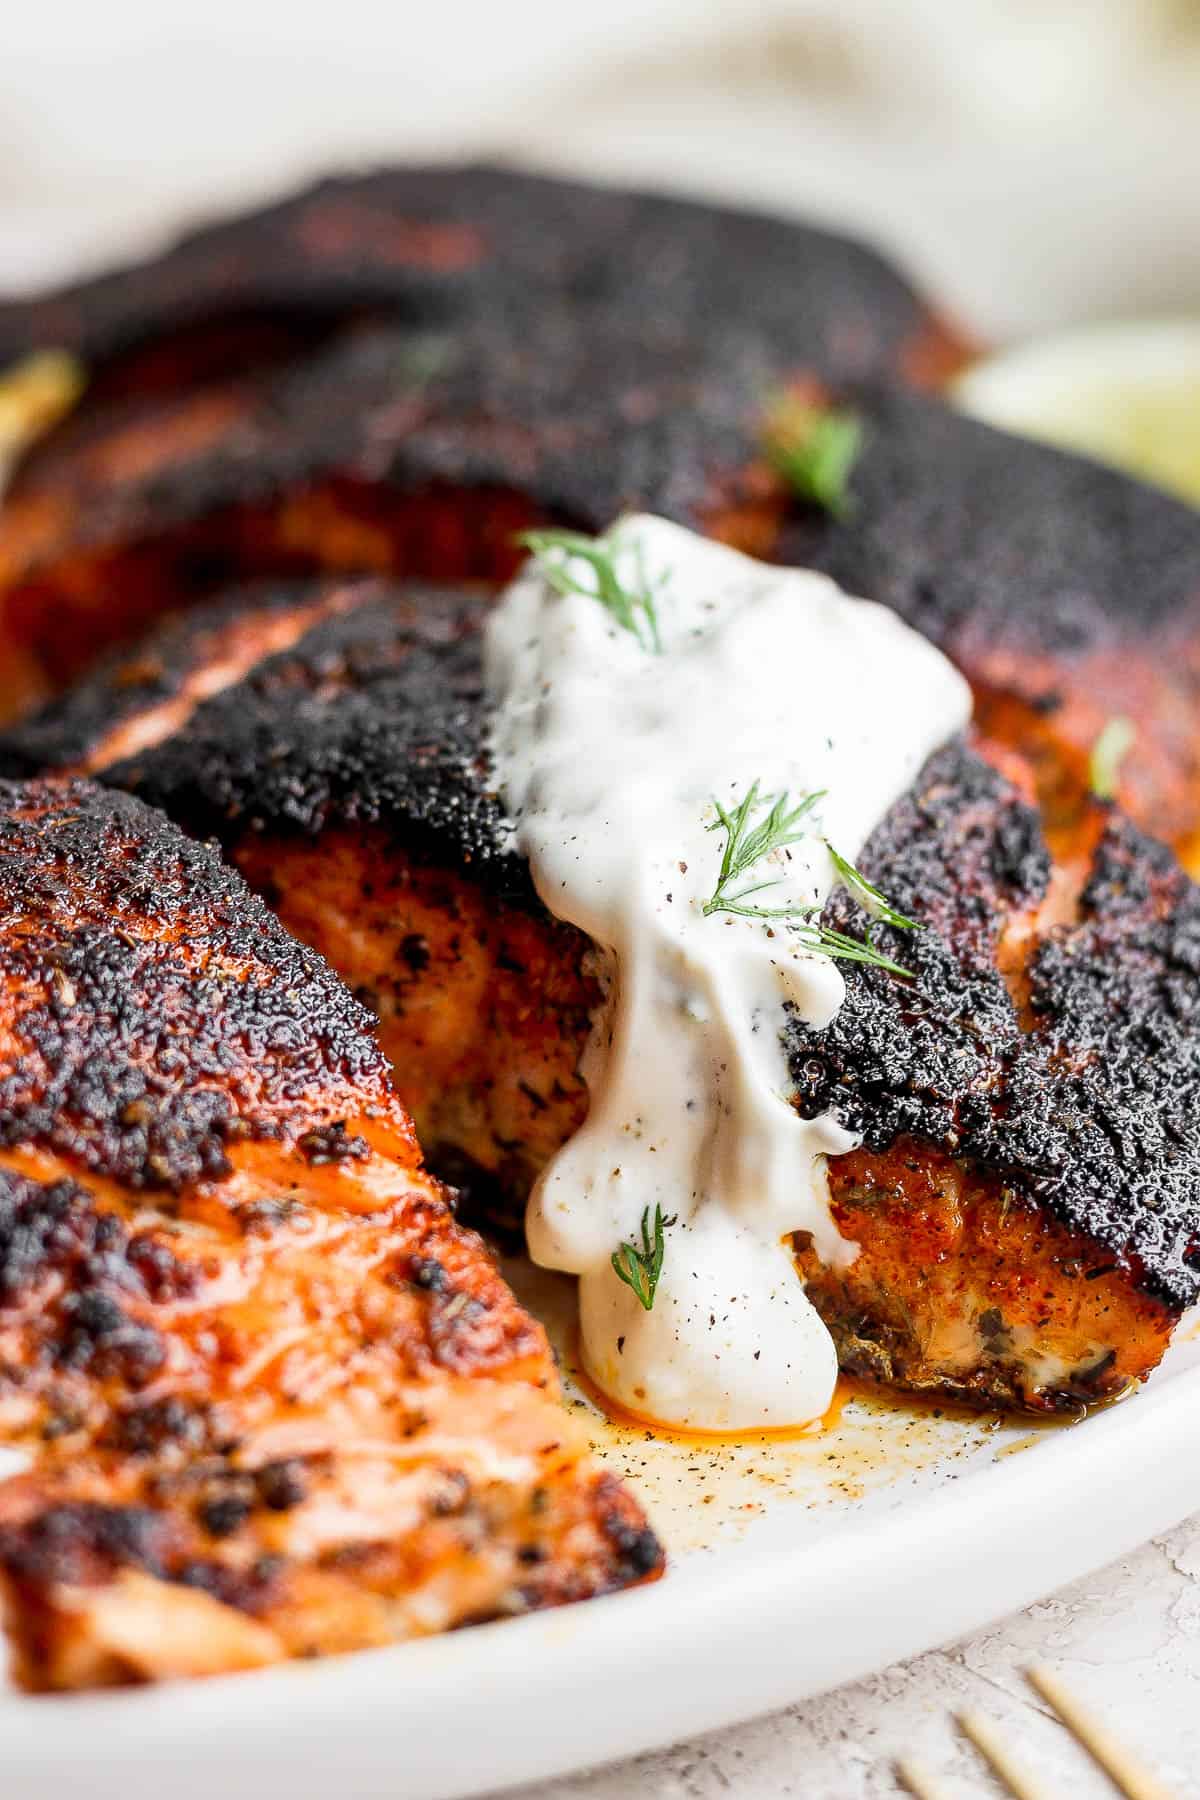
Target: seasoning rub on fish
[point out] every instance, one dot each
(278, 1402)
(1026, 1198)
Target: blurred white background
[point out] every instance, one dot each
(1034, 160)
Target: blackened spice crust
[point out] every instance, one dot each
(409, 418)
(374, 718)
(980, 539)
(1082, 1108)
(1088, 1108)
(428, 245)
(123, 686)
(162, 1009)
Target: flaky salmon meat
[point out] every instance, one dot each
(277, 1402)
(1026, 1196)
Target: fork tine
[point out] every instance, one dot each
(1123, 1770)
(918, 1781)
(991, 1746)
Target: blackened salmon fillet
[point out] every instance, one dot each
(278, 1402)
(439, 243)
(397, 371)
(1026, 1195)
(457, 353)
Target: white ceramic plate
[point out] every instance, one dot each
(797, 1566)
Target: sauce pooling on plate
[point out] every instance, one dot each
(693, 748)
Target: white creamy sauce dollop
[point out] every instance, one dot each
(609, 758)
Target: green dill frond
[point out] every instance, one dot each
(868, 895)
(841, 948)
(1108, 753)
(747, 844)
(421, 359)
(640, 1269)
(634, 608)
(815, 448)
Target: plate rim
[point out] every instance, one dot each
(500, 1704)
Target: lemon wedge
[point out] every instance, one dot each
(1125, 393)
(34, 395)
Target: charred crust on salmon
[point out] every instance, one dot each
(131, 1047)
(424, 436)
(983, 540)
(375, 718)
(279, 1402)
(1068, 593)
(445, 243)
(1085, 1108)
(127, 688)
(1004, 1091)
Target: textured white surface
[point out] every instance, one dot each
(1126, 1640)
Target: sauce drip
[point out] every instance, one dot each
(611, 755)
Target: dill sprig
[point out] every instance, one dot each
(640, 1269)
(814, 447)
(747, 844)
(1108, 753)
(869, 895)
(633, 608)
